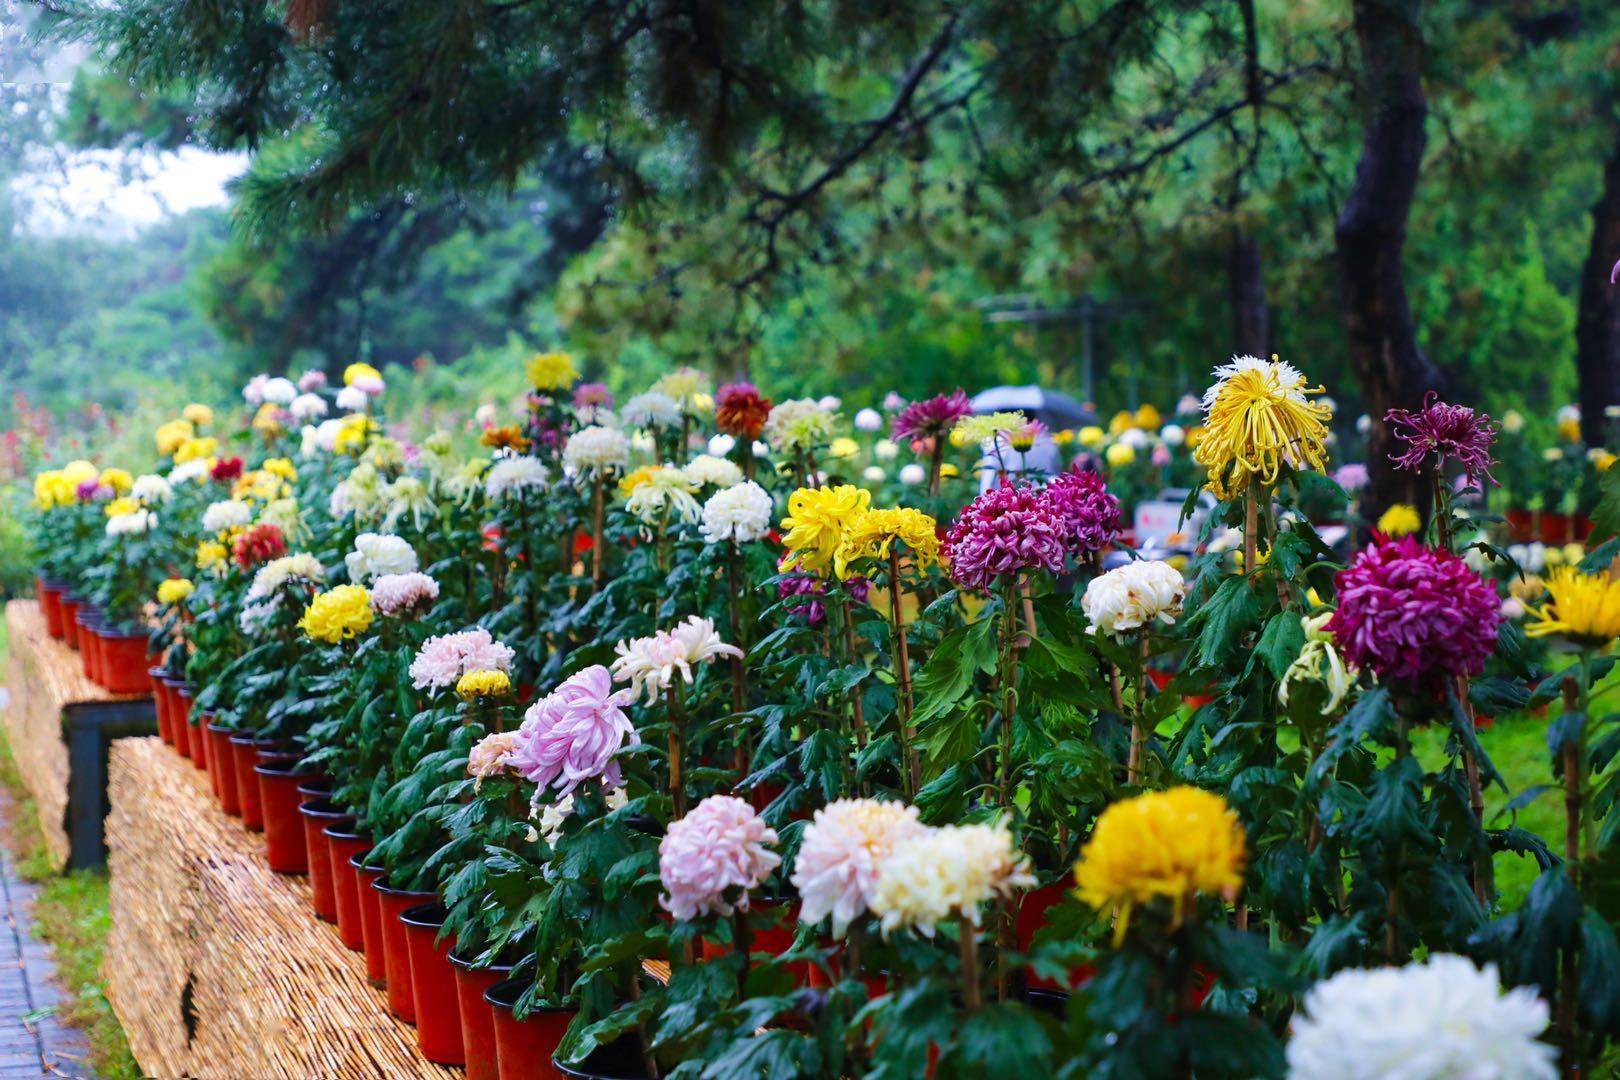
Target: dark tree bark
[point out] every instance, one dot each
(1246, 284)
(1371, 234)
(1597, 325)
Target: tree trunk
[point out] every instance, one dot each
(1371, 234)
(1597, 326)
(1251, 318)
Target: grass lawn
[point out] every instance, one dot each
(70, 915)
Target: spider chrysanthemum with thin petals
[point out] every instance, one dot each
(1450, 432)
(1258, 420)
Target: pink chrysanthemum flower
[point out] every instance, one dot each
(1007, 530)
(444, 659)
(403, 594)
(931, 418)
(720, 848)
(491, 755)
(1087, 512)
(1453, 432)
(593, 395)
(1414, 615)
(571, 735)
(836, 871)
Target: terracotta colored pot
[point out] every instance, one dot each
(396, 953)
(160, 703)
(343, 845)
(179, 717)
(371, 921)
(197, 734)
(245, 755)
(433, 985)
(317, 815)
(283, 825)
(524, 1048)
(70, 618)
(124, 662)
(224, 771)
(478, 1016)
(50, 605)
(89, 656)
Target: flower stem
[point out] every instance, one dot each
(742, 754)
(677, 730)
(598, 497)
(1009, 690)
(1569, 975)
(968, 939)
(1139, 733)
(912, 766)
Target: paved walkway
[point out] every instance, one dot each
(32, 1042)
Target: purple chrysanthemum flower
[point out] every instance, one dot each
(1007, 530)
(1451, 431)
(1352, 477)
(1414, 615)
(813, 588)
(931, 418)
(1087, 512)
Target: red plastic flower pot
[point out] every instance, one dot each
(317, 814)
(160, 702)
(50, 606)
(283, 825)
(524, 1048)
(1031, 917)
(197, 735)
(433, 985)
(396, 953)
(88, 643)
(179, 717)
(1555, 528)
(371, 921)
(477, 1015)
(70, 619)
(621, 1059)
(124, 662)
(245, 755)
(344, 844)
(224, 771)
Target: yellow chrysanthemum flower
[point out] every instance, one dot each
(359, 371)
(282, 467)
(552, 371)
(1091, 436)
(1120, 455)
(1121, 422)
(212, 555)
(259, 484)
(118, 479)
(684, 384)
(1258, 420)
(171, 436)
(175, 590)
(268, 419)
(1569, 430)
(635, 478)
(337, 614)
(77, 472)
(1064, 437)
(355, 430)
(52, 488)
(484, 684)
(949, 470)
(122, 506)
(870, 535)
(815, 524)
(200, 415)
(205, 446)
(1603, 460)
(1399, 520)
(1170, 844)
(843, 447)
(1148, 418)
(1584, 607)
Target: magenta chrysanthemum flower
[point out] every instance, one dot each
(813, 588)
(1451, 431)
(930, 418)
(1414, 615)
(1007, 530)
(1087, 512)
(711, 858)
(571, 735)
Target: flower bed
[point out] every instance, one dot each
(893, 776)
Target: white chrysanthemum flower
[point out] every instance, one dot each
(868, 420)
(131, 524)
(253, 392)
(151, 489)
(874, 474)
(1173, 434)
(721, 445)
(913, 474)
(664, 490)
(942, 873)
(308, 407)
(300, 566)
(1532, 557)
(1364, 423)
(398, 594)
(407, 495)
(464, 480)
(596, 450)
(650, 664)
(1285, 378)
(352, 399)
(552, 815)
(886, 450)
(370, 385)
(327, 432)
(651, 409)
(707, 469)
(513, 474)
(284, 515)
(800, 424)
(376, 554)
(190, 471)
(1135, 438)
(226, 514)
(278, 391)
(1130, 597)
(1319, 662)
(359, 493)
(1569, 414)
(1442, 1019)
(741, 513)
(836, 872)
(831, 402)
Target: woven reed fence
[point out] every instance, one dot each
(215, 965)
(43, 677)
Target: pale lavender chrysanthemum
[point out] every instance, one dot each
(651, 663)
(1352, 477)
(402, 594)
(712, 857)
(446, 658)
(572, 734)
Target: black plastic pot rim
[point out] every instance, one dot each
(336, 832)
(391, 891)
(318, 785)
(428, 916)
(331, 810)
(215, 728)
(269, 770)
(457, 960)
(358, 861)
(497, 995)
